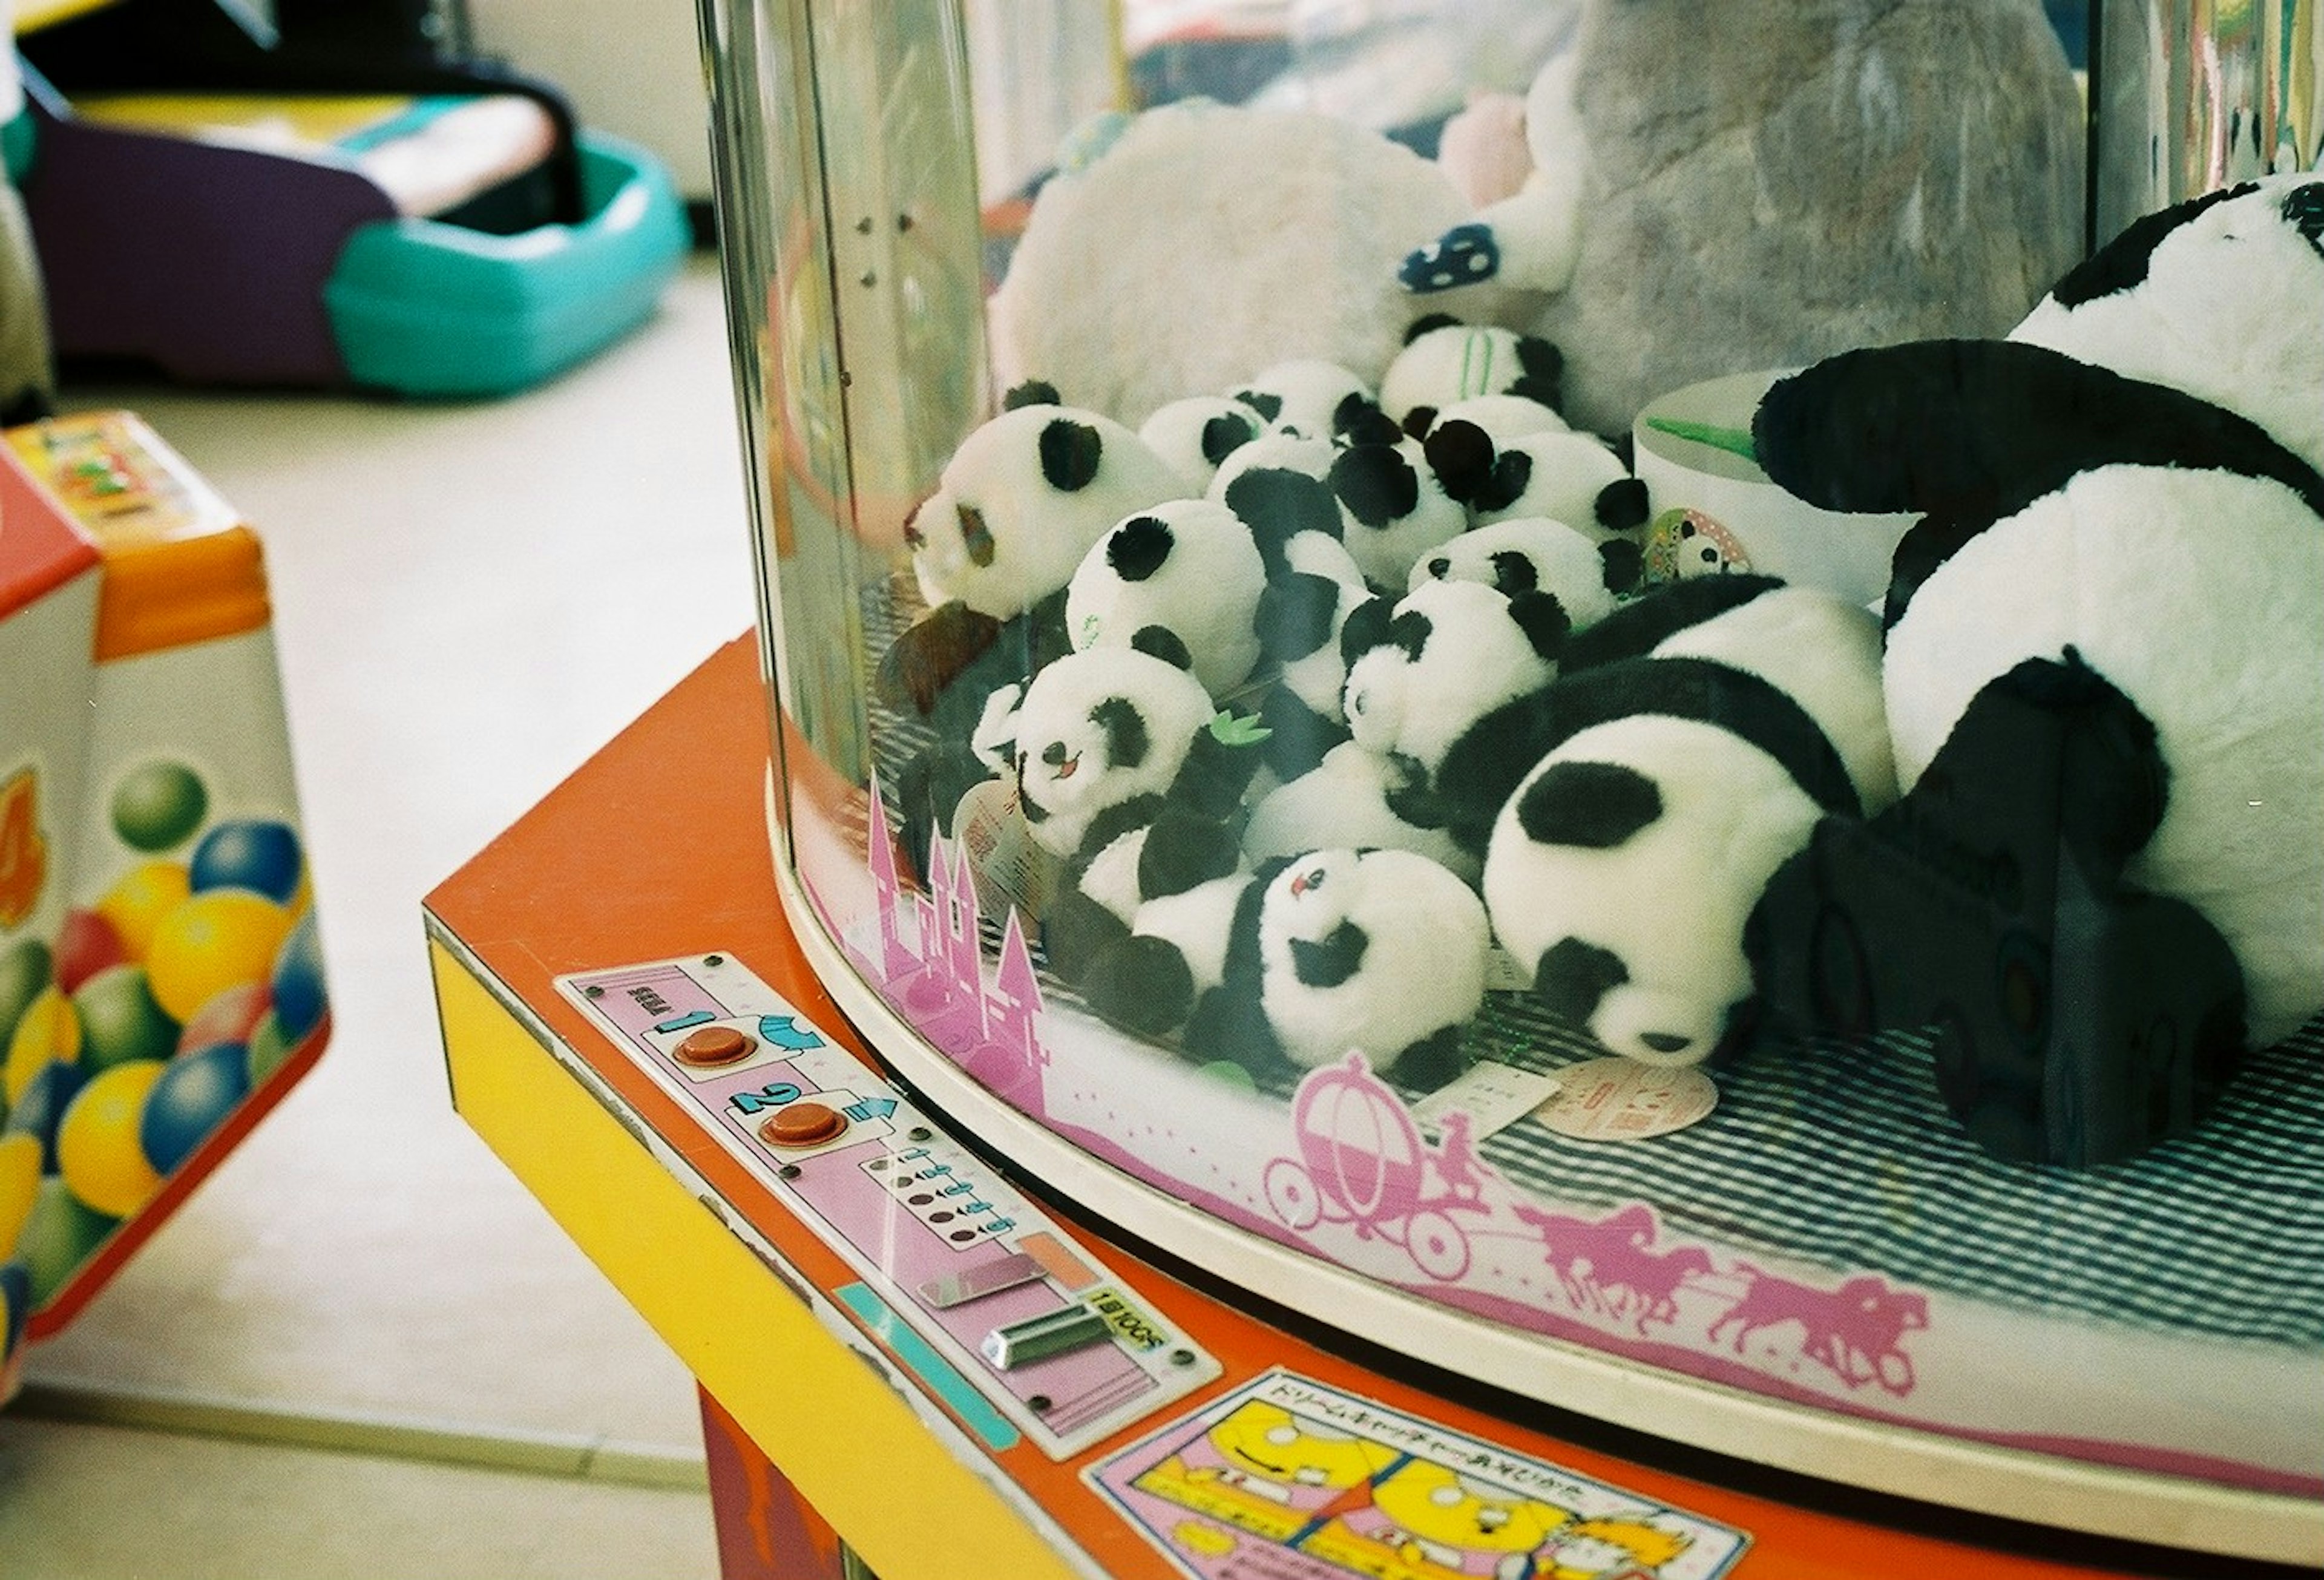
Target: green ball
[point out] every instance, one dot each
(24, 971)
(62, 1232)
(120, 1020)
(159, 805)
(268, 1048)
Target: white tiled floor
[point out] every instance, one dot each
(469, 600)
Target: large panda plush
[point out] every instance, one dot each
(2104, 672)
(1378, 951)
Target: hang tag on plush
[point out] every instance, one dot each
(1621, 1099)
(1006, 866)
(1494, 1096)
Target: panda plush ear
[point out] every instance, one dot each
(1622, 505)
(1359, 420)
(1032, 392)
(1070, 453)
(1369, 625)
(1544, 621)
(2121, 263)
(1428, 324)
(1625, 562)
(1278, 504)
(1544, 372)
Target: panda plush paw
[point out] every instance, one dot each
(1462, 255)
(2078, 1021)
(1142, 985)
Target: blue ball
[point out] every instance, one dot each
(296, 985)
(194, 1094)
(254, 853)
(42, 1107)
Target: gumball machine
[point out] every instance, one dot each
(1487, 683)
(162, 986)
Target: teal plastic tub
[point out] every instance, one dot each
(427, 308)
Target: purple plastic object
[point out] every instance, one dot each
(207, 261)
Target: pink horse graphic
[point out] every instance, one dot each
(1856, 1331)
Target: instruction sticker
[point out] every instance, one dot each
(1289, 1479)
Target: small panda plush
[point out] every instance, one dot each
(2138, 556)
(1505, 418)
(1625, 867)
(1422, 673)
(1126, 770)
(1564, 476)
(1197, 433)
(1276, 450)
(1382, 952)
(1535, 555)
(1445, 362)
(1395, 509)
(1306, 396)
(1183, 581)
(1313, 587)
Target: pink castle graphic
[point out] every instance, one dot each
(929, 963)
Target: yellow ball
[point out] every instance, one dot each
(137, 905)
(20, 1182)
(220, 939)
(98, 1148)
(49, 1033)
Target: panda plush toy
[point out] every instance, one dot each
(1306, 396)
(1183, 581)
(1666, 789)
(1445, 363)
(1562, 475)
(992, 549)
(1531, 554)
(1382, 952)
(1126, 770)
(1197, 433)
(2104, 677)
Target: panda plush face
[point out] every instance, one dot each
(1097, 729)
(2222, 297)
(1395, 509)
(1197, 434)
(1449, 653)
(1622, 873)
(1378, 951)
(1183, 581)
(1020, 503)
(1307, 397)
(1537, 556)
(1444, 363)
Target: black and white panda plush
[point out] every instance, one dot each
(1197, 433)
(1126, 770)
(1535, 555)
(1396, 508)
(2104, 672)
(1349, 798)
(1569, 477)
(1423, 673)
(1313, 587)
(1183, 581)
(1382, 952)
(1306, 396)
(1276, 450)
(1445, 363)
(1624, 867)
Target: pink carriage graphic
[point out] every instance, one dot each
(1362, 1162)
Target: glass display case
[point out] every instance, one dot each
(1519, 675)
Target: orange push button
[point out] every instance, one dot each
(713, 1046)
(802, 1125)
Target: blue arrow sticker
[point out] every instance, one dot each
(784, 1031)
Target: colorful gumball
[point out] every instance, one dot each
(24, 971)
(97, 1149)
(62, 1232)
(48, 1032)
(40, 1111)
(297, 982)
(215, 940)
(255, 854)
(229, 1017)
(195, 1094)
(137, 905)
(20, 1181)
(158, 805)
(269, 1048)
(121, 1020)
(86, 944)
